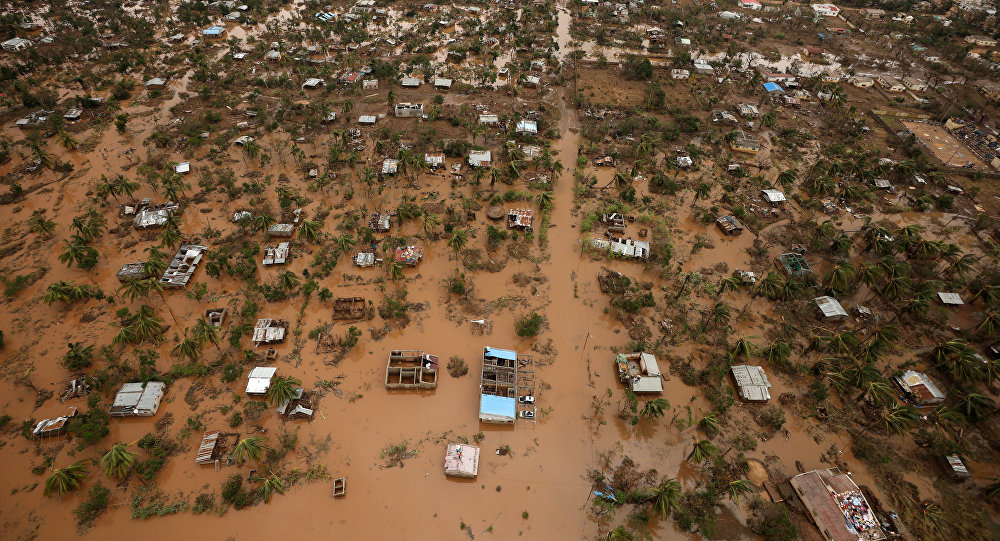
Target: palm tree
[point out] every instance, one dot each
(272, 484)
(73, 252)
(962, 266)
(990, 323)
(744, 349)
(709, 423)
(667, 497)
(769, 286)
(458, 241)
(133, 289)
(156, 261)
(309, 229)
(990, 294)
(263, 221)
(147, 326)
(719, 315)
(251, 448)
(900, 418)
(429, 223)
(117, 461)
(344, 243)
(840, 277)
(282, 389)
(187, 347)
(729, 283)
(288, 280)
(739, 487)
(702, 450)
(545, 200)
(778, 353)
(975, 406)
(65, 480)
(205, 332)
(654, 408)
(395, 271)
(878, 391)
(170, 237)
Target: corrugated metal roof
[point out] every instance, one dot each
(497, 408)
(500, 353)
(950, 298)
(751, 382)
(830, 307)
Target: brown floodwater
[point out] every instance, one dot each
(545, 476)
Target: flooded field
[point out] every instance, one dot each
(361, 178)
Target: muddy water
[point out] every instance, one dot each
(545, 476)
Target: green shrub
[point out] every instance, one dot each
(94, 505)
(529, 326)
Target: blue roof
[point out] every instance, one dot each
(772, 87)
(499, 406)
(213, 30)
(500, 353)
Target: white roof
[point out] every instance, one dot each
(260, 379)
(830, 306)
(183, 167)
(751, 382)
(774, 196)
(366, 119)
(477, 157)
(950, 298)
(527, 126)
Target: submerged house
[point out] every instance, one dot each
(132, 271)
(794, 264)
(639, 372)
(148, 215)
(138, 399)
(918, 388)
(408, 255)
(498, 386)
(830, 308)
(276, 255)
(461, 460)
(480, 158)
(837, 505)
(520, 219)
(53, 427)
(729, 225)
(183, 265)
(259, 380)
(751, 383)
(269, 331)
(411, 369)
(635, 249)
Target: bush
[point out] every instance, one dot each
(233, 493)
(529, 326)
(773, 523)
(231, 372)
(773, 417)
(457, 367)
(94, 505)
(456, 285)
(91, 427)
(203, 504)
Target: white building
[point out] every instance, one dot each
(15, 44)
(259, 380)
(826, 10)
